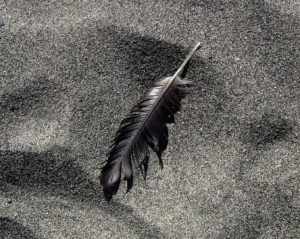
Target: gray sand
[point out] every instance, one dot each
(70, 72)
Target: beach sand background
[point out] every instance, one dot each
(71, 70)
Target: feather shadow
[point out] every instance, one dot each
(145, 127)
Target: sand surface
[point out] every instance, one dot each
(71, 70)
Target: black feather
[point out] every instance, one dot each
(144, 127)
